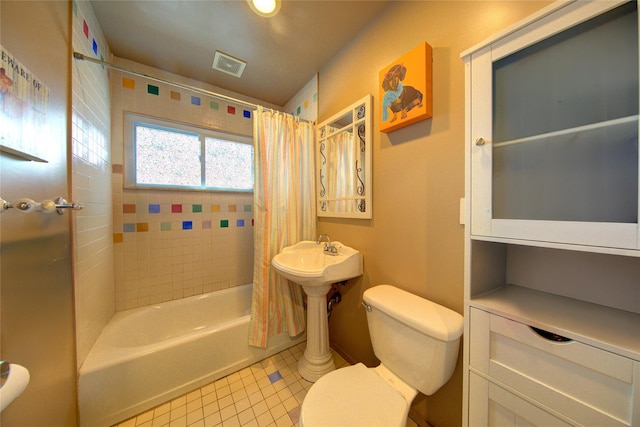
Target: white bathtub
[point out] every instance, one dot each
(147, 356)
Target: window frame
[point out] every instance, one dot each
(131, 119)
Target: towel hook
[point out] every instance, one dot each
(26, 205)
(62, 204)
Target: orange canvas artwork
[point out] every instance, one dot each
(406, 90)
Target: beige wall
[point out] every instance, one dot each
(414, 240)
(37, 325)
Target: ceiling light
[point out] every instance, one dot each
(265, 8)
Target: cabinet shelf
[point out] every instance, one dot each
(556, 245)
(625, 126)
(603, 327)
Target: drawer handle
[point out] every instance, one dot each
(550, 335)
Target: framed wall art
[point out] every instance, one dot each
(24, 100)
(406, 95)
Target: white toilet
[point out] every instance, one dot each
(417, 342)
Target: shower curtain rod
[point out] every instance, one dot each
(80, 56)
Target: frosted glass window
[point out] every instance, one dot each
(565, 124)
(163, 154)
(229, 165)
(166, 157)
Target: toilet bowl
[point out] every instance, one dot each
(417, 342)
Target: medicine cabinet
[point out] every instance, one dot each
(343, 163)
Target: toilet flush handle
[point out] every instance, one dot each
(367, 306)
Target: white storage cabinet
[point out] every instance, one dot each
(552, 244)
(553, 129)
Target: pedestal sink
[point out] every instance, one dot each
(307, 264)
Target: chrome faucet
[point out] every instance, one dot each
(329, 248)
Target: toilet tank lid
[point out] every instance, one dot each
(421, 314)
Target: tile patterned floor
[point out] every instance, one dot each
(268, 393)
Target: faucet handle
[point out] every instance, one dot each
(330, 249)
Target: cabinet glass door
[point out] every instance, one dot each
(565, 125)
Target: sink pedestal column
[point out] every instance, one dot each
(317, 359)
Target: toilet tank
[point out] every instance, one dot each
(416, 339)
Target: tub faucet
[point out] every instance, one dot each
(329, 248)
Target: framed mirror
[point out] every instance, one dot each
(343, 163)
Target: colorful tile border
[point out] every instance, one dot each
(197, 101)
(128, 83)
(184, 225)
(177, 208)
(86, 30)
(181, 223)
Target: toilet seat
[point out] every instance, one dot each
(353, 396)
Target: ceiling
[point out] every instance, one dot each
(283, 52)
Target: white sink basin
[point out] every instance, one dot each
(306, 264)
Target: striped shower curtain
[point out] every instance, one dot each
(285, 213)
(342, 177)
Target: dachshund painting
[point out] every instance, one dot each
(398, 98)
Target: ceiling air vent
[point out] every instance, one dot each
(228, 64)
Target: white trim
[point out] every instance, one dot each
(541, 15)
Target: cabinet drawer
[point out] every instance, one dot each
(492, 405)
(584, 383)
